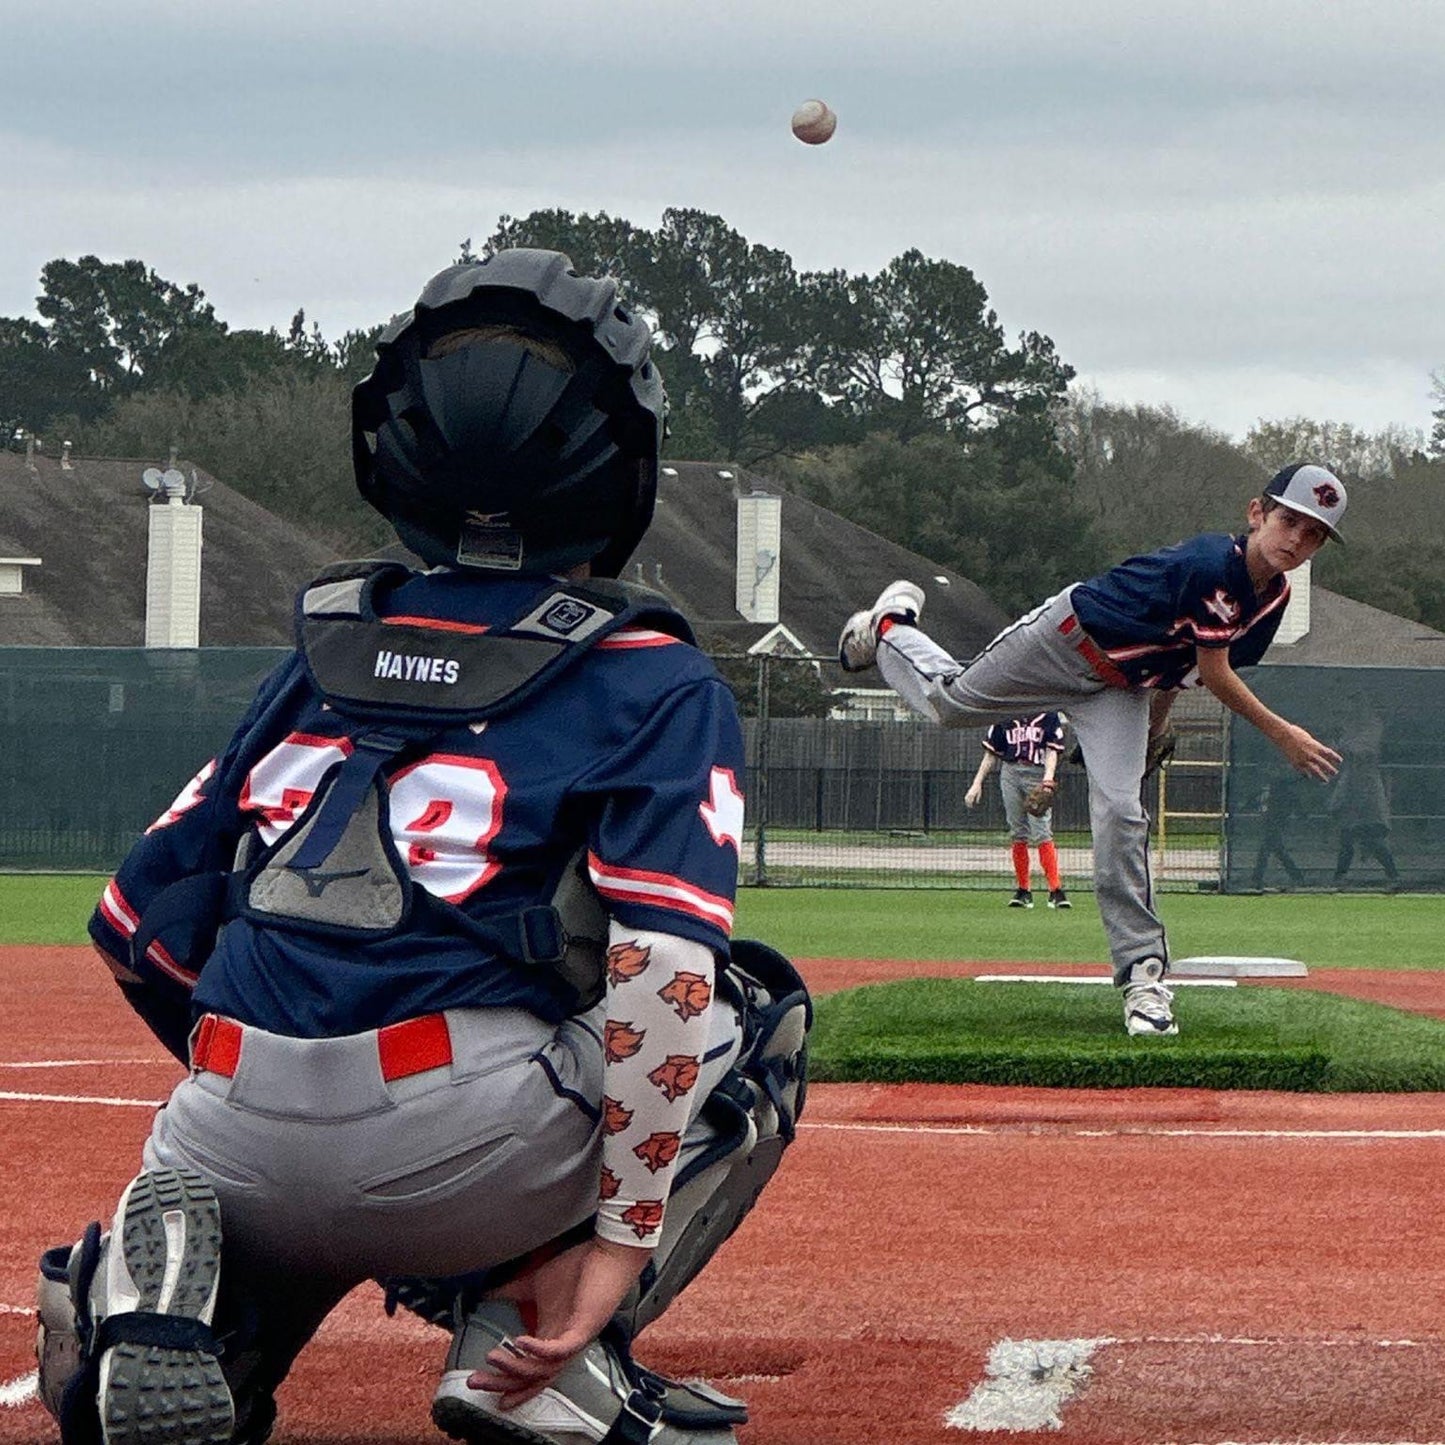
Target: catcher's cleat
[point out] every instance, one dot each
(858, 645)
(602, 1394)
(160, 1382)
(1147, 1001)
(1022, 898)
(1059, 899)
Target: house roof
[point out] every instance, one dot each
(829, 567)
(88, 524)
(1346, 633)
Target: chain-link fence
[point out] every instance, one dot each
(844, 789)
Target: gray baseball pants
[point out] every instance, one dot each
(1032, 666)
(329, 1174)
(1015, 782)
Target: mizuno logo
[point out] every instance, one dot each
(404, 668)
(318, 882)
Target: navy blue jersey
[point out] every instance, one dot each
(1151, 613)
(635, 753)
(1026, 739)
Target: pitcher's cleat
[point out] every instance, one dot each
(602, 1394)
(1147, 1001)
(160, 1380)
(1022, 898)
(1059, 899)
(858, 645)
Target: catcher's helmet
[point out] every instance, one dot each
(513, 419)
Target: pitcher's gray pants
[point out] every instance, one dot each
(1030, 667)
(329, 1175)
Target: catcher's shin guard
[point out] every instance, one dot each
(602, 1395)
(753, 1113)
(64, 1334)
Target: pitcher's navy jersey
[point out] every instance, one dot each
(1150, 613)
(1026, 739)
(635, 752)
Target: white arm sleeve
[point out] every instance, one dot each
(659, 994)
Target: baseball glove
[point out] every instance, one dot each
(1040, 798)
(1161, 748)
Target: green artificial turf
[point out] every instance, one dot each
(47, 907)
(1322, 930)
(958, 1031)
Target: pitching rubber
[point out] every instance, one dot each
(165, 1259)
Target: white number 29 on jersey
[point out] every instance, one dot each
(445, 809)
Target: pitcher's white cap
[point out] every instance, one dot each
(1312, 489)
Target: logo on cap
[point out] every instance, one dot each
(1326, 495)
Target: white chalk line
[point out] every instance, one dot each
(1027, 1383)
(1053, 1126)
(14, 1096)
(20, 1391)
(73, 1063)
(1022, 1126)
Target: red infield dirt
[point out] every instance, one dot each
(1100, 1267)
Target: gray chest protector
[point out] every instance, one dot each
(336, 872)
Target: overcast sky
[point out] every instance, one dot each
(1231, 206)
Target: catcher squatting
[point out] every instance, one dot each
(443, 937)
(1114, 652)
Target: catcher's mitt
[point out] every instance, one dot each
(1040, 798)
(1161, 748)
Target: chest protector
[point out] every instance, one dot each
(336, 872)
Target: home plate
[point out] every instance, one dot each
(1236, 966)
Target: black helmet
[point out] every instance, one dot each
(513, 419)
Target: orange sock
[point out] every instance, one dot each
(1049, 862)
(1021, 862)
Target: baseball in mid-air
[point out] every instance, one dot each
(814, 122)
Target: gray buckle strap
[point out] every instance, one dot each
(639, 1416)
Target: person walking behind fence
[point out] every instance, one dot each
(1280, 803)
(1358, 801)
(1114, 651)
(1026, 752)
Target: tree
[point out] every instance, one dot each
(762, 361)
(1149, 478)
(918, 348)
(727, 315)
(1437, 432)
(999, 508)
(40, 381)
(1349, 451)
(118, 316)
(282, 441)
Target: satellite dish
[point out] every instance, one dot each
(173, 482)
(152, 479)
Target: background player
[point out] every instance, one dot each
(408, 1059)
(1026, 751)
(1114, 651)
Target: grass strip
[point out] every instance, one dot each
(959, 1031)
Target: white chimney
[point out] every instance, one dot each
(760, 551)
(173, 574)
(1295, 623)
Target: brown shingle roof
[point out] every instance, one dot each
(88, 526)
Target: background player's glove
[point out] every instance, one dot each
(858, 646)
(1161, 747)
(1040, 798)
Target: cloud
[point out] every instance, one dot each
(1178, 191)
